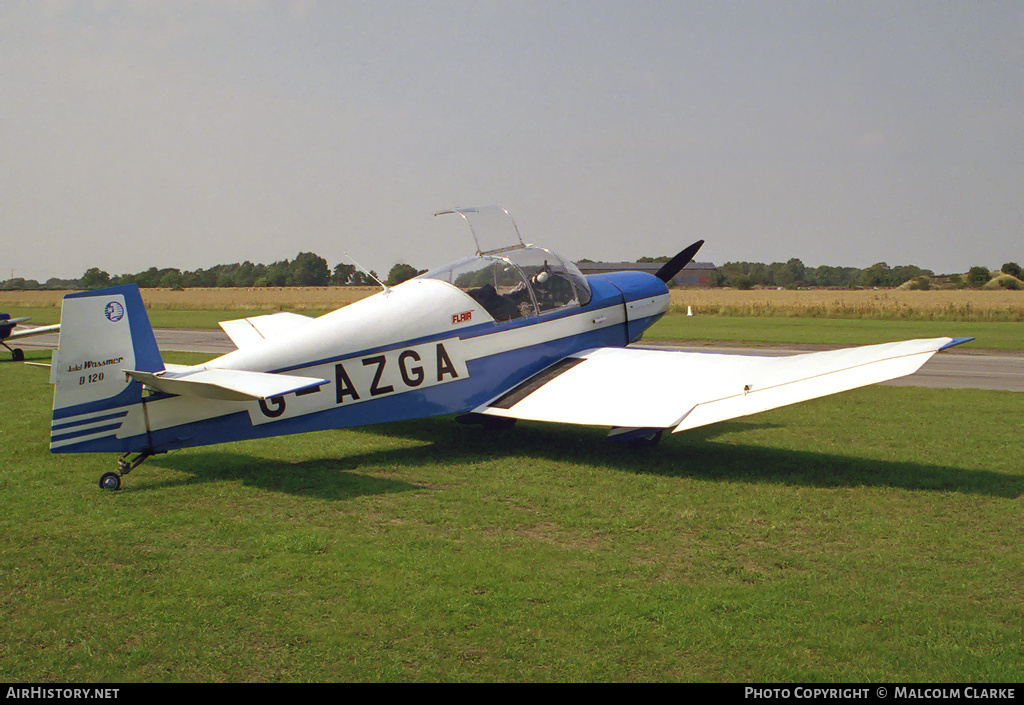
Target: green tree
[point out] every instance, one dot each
(977, 277)
(95, 278)
(875, 275)
(245, 275)
(739, 281)
(1011, 268)
(905, 273)
(342, 274)
(171, 279)
(225, 278)
(21, 283)
(277, 273)
(309, 269)
(825, 275)
(402, 272)
(360, 278)
(787, 274)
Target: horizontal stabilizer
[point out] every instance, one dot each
(248, 331)
(230, 385)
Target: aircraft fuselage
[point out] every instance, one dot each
(424, 348)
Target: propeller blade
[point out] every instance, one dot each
(675, 264)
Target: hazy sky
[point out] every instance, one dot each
(187, 134)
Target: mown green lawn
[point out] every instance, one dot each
(871, 536)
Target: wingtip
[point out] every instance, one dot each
(953, 342)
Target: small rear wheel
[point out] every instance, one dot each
(110, 481)
(18, 355)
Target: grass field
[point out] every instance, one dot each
(871, 536)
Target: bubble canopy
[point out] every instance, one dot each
(493, 228)
(517, 282)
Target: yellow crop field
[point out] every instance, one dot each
(944, 304)
(216, 299)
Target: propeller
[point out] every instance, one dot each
(672, 267)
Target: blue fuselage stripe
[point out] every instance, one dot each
(94, 419)
(84, 432)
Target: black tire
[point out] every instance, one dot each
(18, 355)
(110, 481)
(651, 441)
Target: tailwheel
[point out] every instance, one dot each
(112, 480)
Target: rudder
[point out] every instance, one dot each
(103, 333)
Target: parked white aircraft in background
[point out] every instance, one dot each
(7, 332)
(514, 332)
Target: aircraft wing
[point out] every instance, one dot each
(232, 385)
(247, 331)
(38, 330)
(658, 389)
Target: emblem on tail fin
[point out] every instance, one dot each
(114, 312)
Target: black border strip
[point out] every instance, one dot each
(525, 389)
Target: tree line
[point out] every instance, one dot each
(307, 269)
(794, 274)
(744, 275)
(310, 269)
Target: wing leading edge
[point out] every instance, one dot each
(37, 330)
(660, 389)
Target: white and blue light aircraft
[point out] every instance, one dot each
(514, 332)
(7, 332)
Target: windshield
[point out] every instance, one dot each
(517, 283)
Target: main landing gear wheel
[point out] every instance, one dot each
(110, 481)
(17, 354)
(650, 441)
(487, 423)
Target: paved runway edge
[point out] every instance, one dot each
(962, 367)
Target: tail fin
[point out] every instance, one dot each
(102, 333)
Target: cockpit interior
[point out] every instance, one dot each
(518, 282)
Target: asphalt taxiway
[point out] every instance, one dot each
(962, 367)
